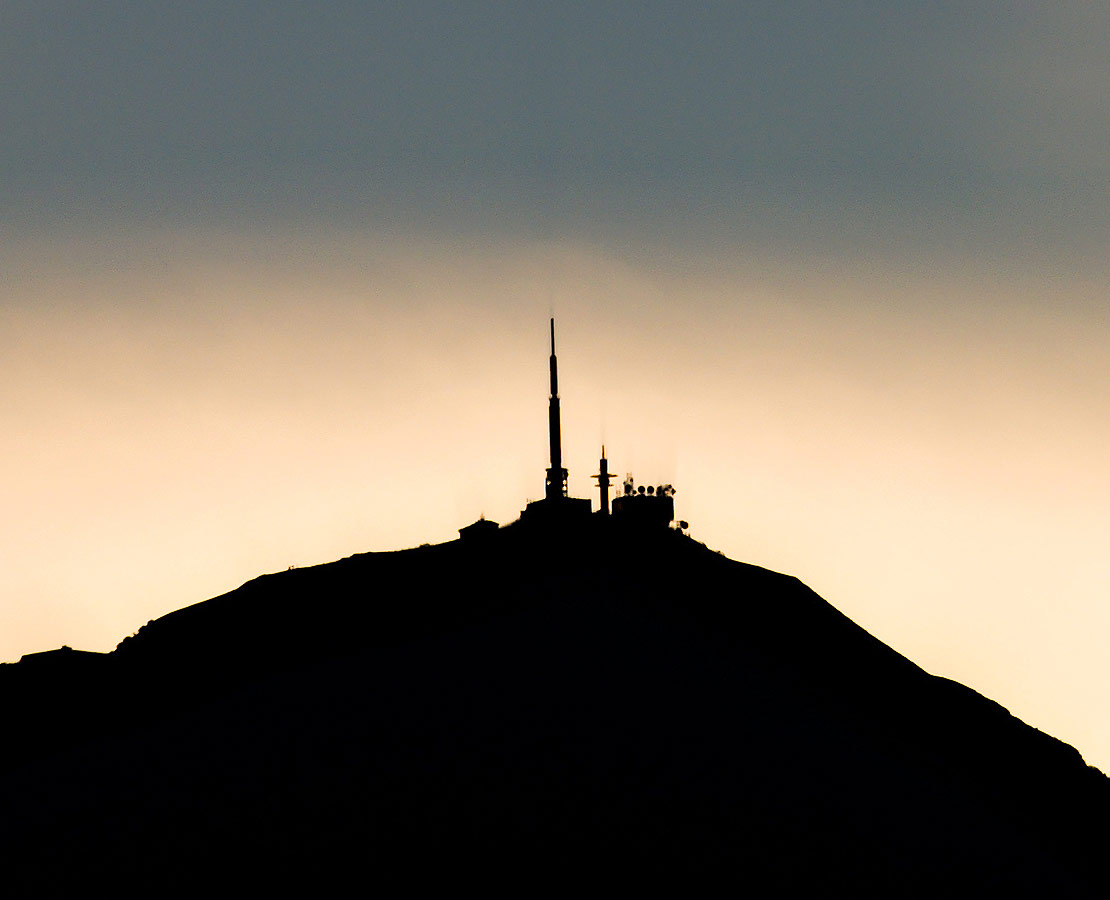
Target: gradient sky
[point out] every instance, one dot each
(276, 279)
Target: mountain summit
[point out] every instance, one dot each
(645, 713)
(582, 700)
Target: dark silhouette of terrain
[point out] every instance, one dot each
(594, 710)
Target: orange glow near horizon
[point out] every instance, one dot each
(183, 412)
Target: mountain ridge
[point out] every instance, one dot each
(656, 704)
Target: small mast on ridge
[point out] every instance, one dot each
(604, 480)
(556, 485)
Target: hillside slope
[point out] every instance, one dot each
(534, 709)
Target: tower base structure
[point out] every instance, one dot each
(563, 511)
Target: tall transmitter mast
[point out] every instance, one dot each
(556, 484)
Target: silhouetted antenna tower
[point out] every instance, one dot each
(639, 506)
(604, 479)
(556, 485)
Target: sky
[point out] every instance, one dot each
(276, 280)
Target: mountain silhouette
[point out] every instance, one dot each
(593, 709)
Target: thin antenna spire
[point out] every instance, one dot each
(556, 485)
(604, 479)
